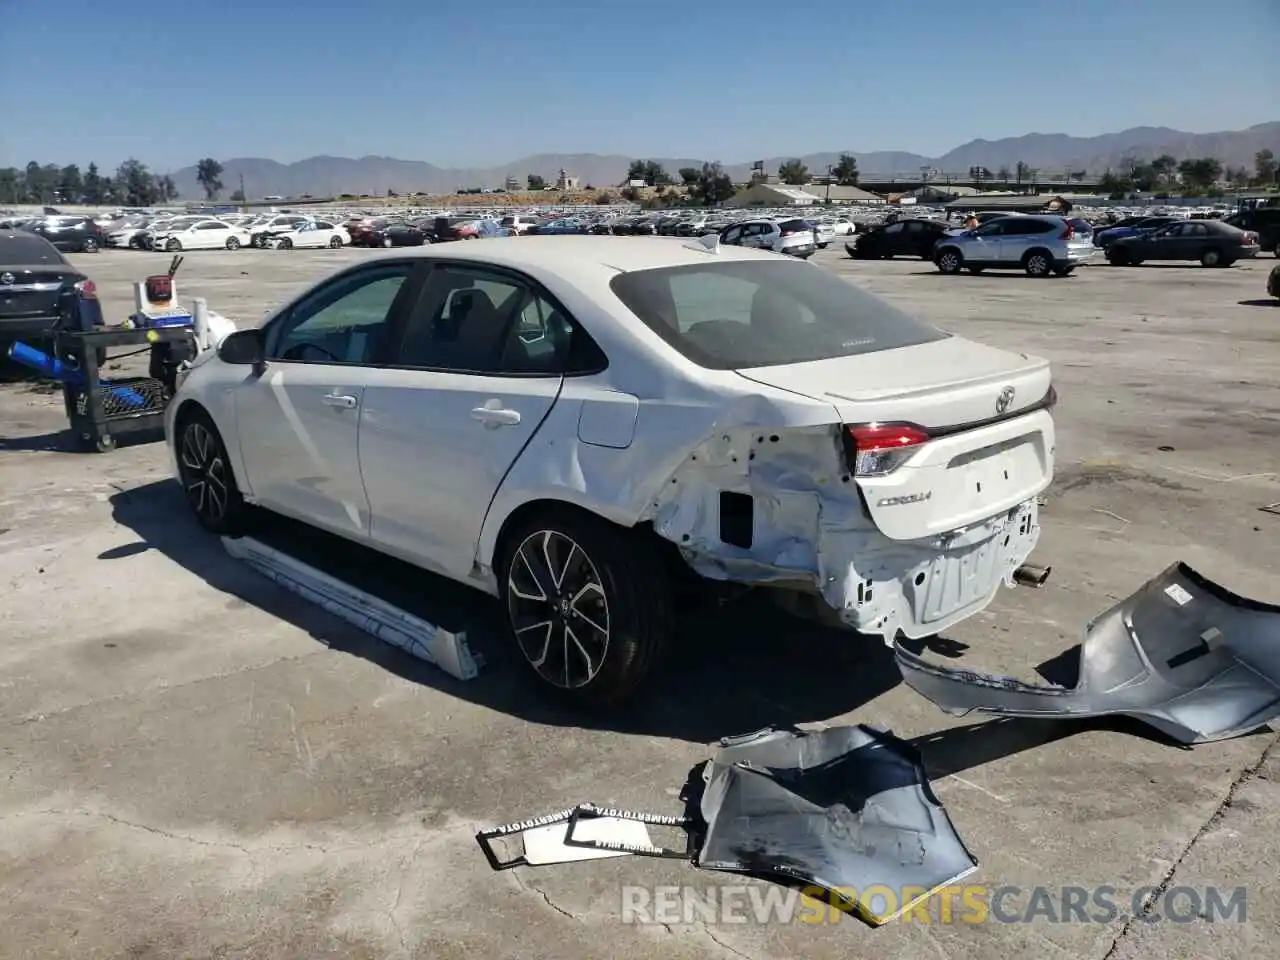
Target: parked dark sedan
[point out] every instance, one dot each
(401, 235)
(40, 291)
(1273, 282)
(78, 234)
(1212, 242)
(905, 238)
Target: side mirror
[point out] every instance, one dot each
(243, 348)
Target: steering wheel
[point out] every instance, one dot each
(299, 351)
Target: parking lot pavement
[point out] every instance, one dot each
(195, 765)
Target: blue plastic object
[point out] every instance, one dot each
(55, 369)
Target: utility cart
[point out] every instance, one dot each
(100, 411)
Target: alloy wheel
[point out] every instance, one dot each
(949, 262)
(204, 473)
(558, 609)
(1037, 265)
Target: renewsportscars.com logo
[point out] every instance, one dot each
(962, 903)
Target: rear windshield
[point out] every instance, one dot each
(23, 249)
(755, 313)
(789, 226)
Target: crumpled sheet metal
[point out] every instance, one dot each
(847, 809)
(1182, 653)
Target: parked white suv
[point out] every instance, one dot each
(792, 236)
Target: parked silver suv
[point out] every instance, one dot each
(1040, 245)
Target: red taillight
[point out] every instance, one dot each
(87, 289)
(880, 448)
(789, 233)
(1068, 233)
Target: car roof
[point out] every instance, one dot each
(569, 254)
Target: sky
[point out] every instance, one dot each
(483, 83)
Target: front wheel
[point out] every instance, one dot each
(285, 244)
(589, 604)
(949, 261)
(173, 246)
(205, 472)
(335, 243)
(1210, 258)
(90, 245)
(233, 243)
(387, 242)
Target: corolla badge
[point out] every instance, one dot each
(1005, 400)
(905, 499)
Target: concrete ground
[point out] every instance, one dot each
(195, 765)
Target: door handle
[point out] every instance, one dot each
(343, 400)
(494, 414)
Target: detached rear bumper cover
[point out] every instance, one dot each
(847, 809)
(1182, 653)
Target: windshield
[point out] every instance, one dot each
(756, 313)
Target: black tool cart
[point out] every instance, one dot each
(100, 411)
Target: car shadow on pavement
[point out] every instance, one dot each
(738, 668)
(1273, 302)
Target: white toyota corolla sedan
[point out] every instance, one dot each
(578, 424)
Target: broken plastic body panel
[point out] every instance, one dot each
(845, 809)
(1182, 653)
(426, 641)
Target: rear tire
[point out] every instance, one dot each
(90, 245)
(1118, 257)
(233, 243)
(335, 243)
(173, 246)
(285, 244)
(387, 242)
(1211, 258)
(1038, 264)
(589, 604)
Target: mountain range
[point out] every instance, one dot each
(1046, 152)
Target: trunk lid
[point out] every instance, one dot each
(990, 437)
(34, 290)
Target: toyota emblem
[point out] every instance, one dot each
(6, 279)
(1005, 400)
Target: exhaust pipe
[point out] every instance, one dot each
(1029, 575)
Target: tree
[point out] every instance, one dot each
(70, 185)
(1199, 174)
(536, 182)
(167, 189)
(1265, 168)
(136, 183)
(92, 185)
(604, 197)
(689, 175)
(1163, 167)
(237, 196)
(650, 171)
(1114, 186)
(1020, 172)
(208, 172)
(846, 170)
(11, 184)
(714, 185)
(1238, 177)
(793, 172)
(1003, 174)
